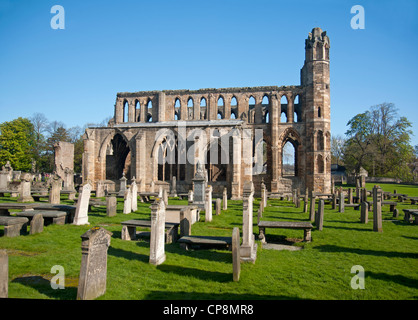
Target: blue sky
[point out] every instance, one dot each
(73, 75)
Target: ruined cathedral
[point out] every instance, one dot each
(279, 135)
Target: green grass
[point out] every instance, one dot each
(321, 270)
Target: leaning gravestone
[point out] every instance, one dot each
(36, 224)
(81, 211)
(312, 207)
(4, 274)
(364, 215)
(236, 259)
(93, 271)
(157, 250)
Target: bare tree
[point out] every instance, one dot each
(337, 148)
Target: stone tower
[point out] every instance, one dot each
(315, 80)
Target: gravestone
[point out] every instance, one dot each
(320, 215)
(225, 199)
(64, 163)
(173, 187)
(341, 202)
(25, 188)
(4, 274)
(127, 201)
(100, 190)
(122, 185)
(248, 249)
(334, 201)
(190, 197)
(199, 187)
(350, 196)
(364, 215)
(54, 193)
(236, 259)
(152, 186)
(111, 205)
(264, 194)
(157, 250)
(185, 222)
(377, 209)
(165, 197)
(208, 204)
(82, 208)
(134, 197)
(36, 224)
(305, 203)
(93, 270)
(312, 207)
(218, 206)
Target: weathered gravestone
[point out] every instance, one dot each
(364, 215)
(4, 274)
(320, 215)
(312, 207)
(218, 206)
(157, 250)
(208, 204)
(185, 222)
(134, 197)
(190, 197)
(341, 202)
(111, 205)
(25, 188)
(173, 187)
(100, 189)
(225, 199)
(248, 249)
(127, 202)
(199, 187)
(236, 259)
(82, 208)
(93, 271)
(122, 185)
(54, 193)
(377, 209)
(36, 224)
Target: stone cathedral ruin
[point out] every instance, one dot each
(238, 134)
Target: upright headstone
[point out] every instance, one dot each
(25, 188)
(364, 215)
(157, 250)
(334, 201)
(4, 274)
(134, 197)
(36, 224)
(297, 199)
(190, 197)
(93, 270)
(54, 193)
(248, 249)
(165, 197)
(100, 190)
(173, 189)
(341, 202)
(199, 185)
(236, 259)
(82, 208)
(218, 206)
(127, 201)
(225, 199)
(320, 215)
(264, 194)
(312, 207)
(377, 209)
(350, 196)
(111, 205)
(122, 187)
(305, 203)
(152, 186)
(185, 222)
(208, 204)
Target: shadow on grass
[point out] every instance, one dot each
(204, 254)
(197, 273)
(389, 254)
(402, 280)
(129, 255)
(43, 286)
(167, 295)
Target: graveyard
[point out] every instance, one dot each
(286, 267)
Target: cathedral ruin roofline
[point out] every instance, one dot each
(207, 90)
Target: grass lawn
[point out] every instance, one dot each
(321, 270)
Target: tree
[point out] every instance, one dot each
(40, 125)
(379, 141)
(337, 149)
(17, 143)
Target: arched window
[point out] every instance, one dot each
(320, 164)
(319, 112)
(203, 108)
(125, 111)
(234, 108)
(137, 111)
(289, 159)
(149, 111)
(297, 113)
(320, 140)
(190, 108)
(221, 108)
(283, 109)
(266, 108)
(214, 166)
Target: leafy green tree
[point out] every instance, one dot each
(17, 143)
